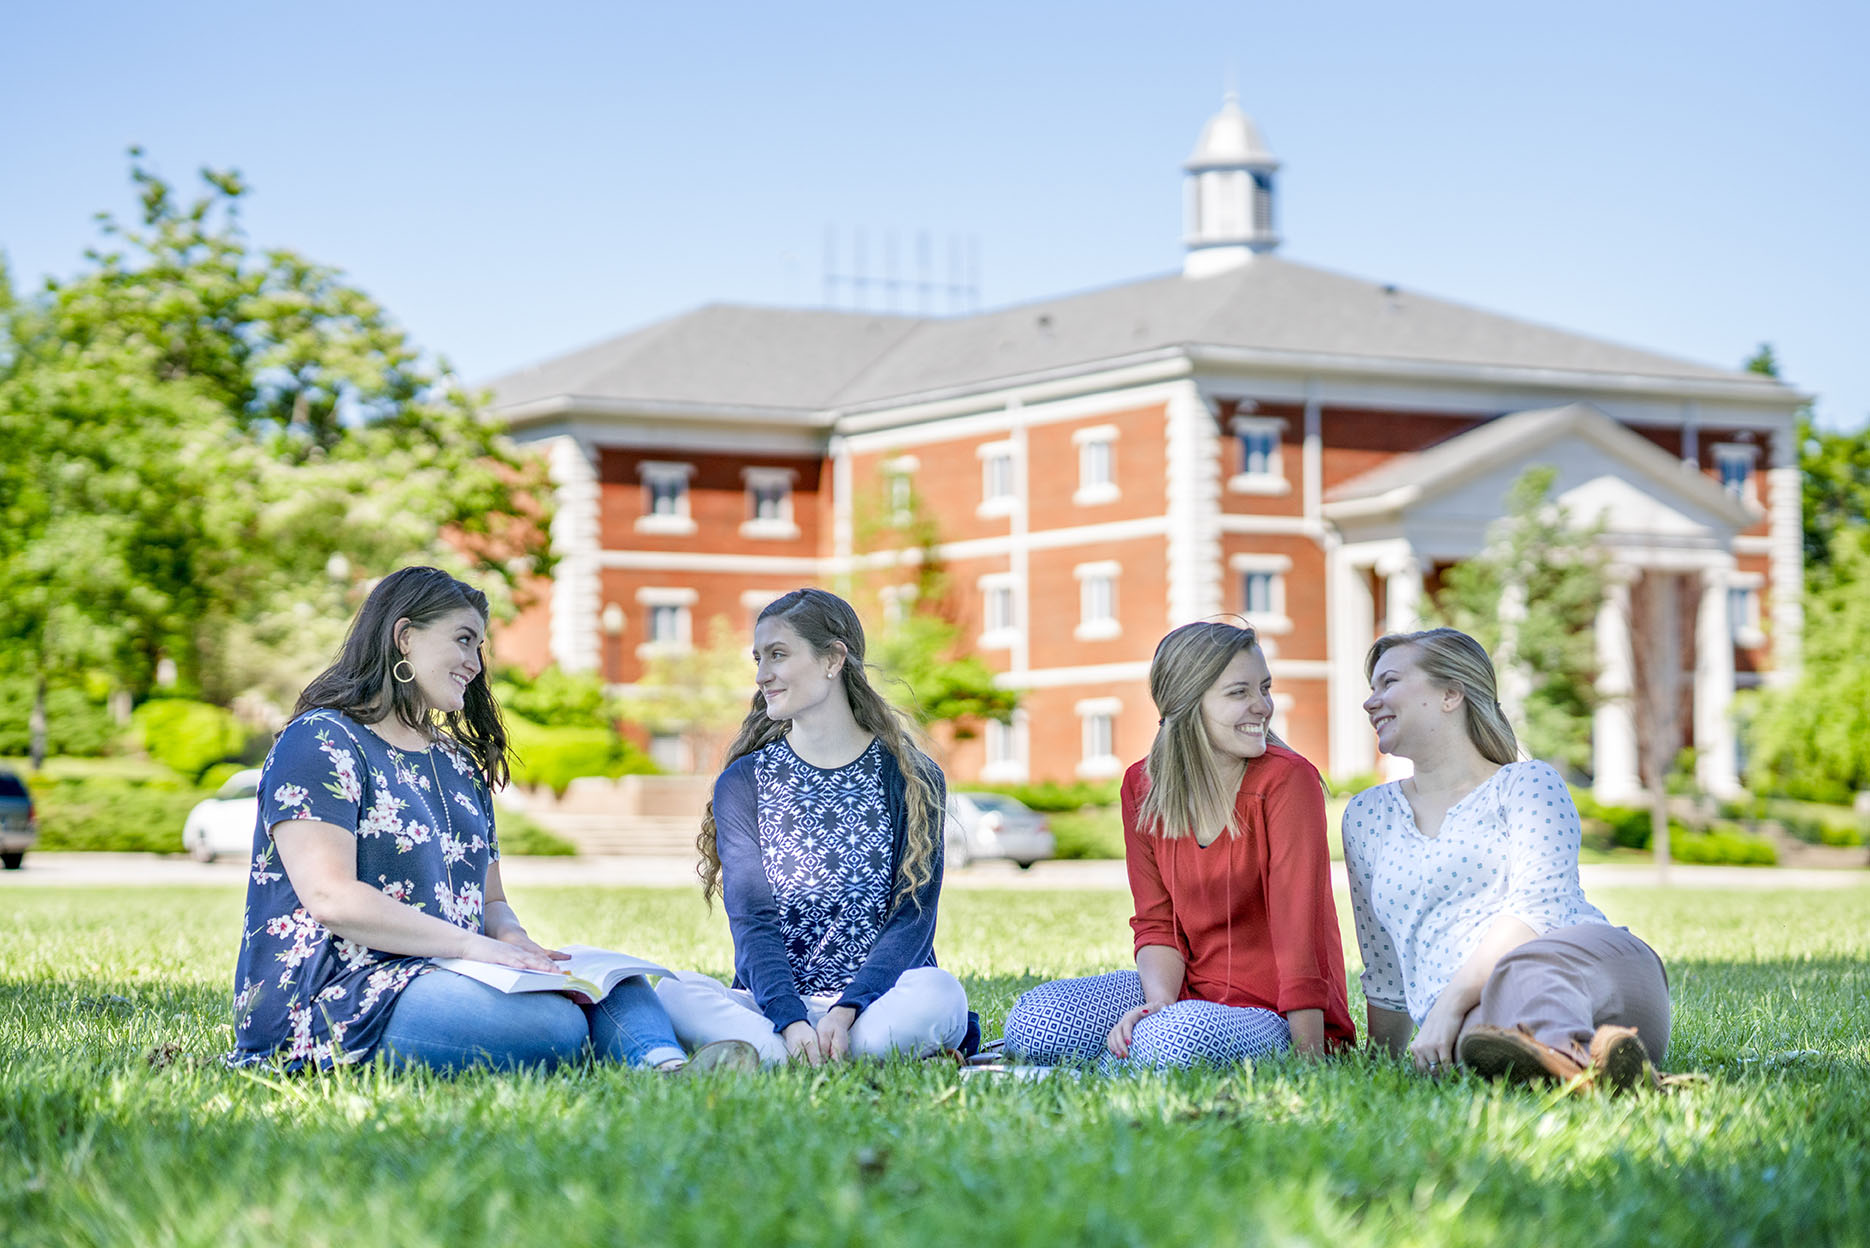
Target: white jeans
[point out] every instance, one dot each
(925, 1012)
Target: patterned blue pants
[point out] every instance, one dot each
(1069, 1020)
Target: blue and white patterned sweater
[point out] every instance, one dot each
(808, 873)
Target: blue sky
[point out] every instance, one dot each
(513, 181)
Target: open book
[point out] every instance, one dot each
(588, 976)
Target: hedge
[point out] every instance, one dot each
(112, 813)
(188, 736)
(555, 756)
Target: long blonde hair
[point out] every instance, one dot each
(1186, 790)
(826, 622)
(1453, 660)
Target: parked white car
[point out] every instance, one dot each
(993, 825)
(222, 825)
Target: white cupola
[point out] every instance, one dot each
(1228, 194)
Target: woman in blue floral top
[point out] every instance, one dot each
(375, 852)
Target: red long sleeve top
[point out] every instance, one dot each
(1252, 915)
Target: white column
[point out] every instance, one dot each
(1349, 625)
(843, 528)
(1402, 592)
(1019, 558)
(1194, 492)
(1787, 585)
(1715, 763)
(575, 540)
(1691, 434)
(1617, 779)
(1312, 460)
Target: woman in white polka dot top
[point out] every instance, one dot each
(1474, 931)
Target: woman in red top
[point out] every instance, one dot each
(1238, 954)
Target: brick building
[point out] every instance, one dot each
(1250, 435)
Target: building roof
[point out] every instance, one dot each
(814, 360)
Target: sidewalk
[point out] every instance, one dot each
(144, 870)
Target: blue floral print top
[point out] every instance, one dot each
(425, 836)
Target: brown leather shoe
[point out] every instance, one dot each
(1619, 1062)
(1517, 1057)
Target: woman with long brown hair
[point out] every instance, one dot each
(1238, 954)
(824, 841)
(375, 853)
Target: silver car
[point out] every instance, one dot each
(223, 824)
(19, 823)
(993, 825)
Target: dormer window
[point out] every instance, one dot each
(1261, 467)
(665, 498)
(1733, 463)
(769, 503)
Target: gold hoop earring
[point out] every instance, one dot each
(397, 672)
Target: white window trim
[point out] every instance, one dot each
(782, 527)
(1098, 766)
(683, 600)
(1001, 638)
(1277, 622)
(1749, 491)
(1010, 770)
(1095, 493)
(899, 468)
(1282, 710)
(1273, 481)
(1748, 634)
(1109, 571)
(897, 601)
(681, 524)
(754, 601)
(998, 504)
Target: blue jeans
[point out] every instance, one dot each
(449, 1022)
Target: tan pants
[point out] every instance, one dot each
(1565, 984)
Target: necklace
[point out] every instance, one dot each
(441, 797)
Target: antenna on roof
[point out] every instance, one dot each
(851, 287)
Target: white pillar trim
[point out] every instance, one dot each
(1716, 767)
(1785, 503)
(573, 631)
(1615, 777)
(1194, 512)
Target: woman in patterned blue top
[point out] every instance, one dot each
(375, 852)
(1464, 883)
(824, 840)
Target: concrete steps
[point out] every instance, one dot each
(624, 835)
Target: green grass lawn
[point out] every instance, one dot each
(116, 1127)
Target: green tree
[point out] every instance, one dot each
(700, 694)
(920, 648)
(1811, 739)
(207, 444)
(1531, 597)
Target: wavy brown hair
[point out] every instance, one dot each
(828, 624)
(1186, 791)
(360, 682)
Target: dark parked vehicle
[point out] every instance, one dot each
(19, 823)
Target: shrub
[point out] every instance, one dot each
(75, 724)
(555, 756)
(1625, 827)
(555, 698)
(218, 775)
(1050, 795)
(188, 736)
(114, 813)
(1093, 833)
(1352, 785)
(520, 833)
(1725, 844)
